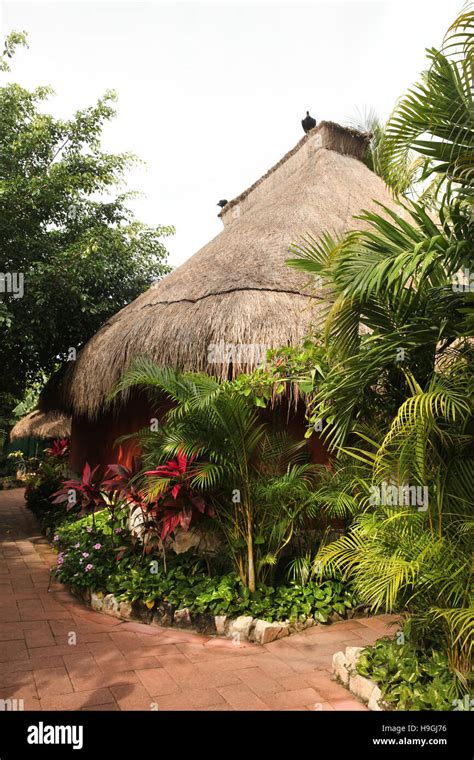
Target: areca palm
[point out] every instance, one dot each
(395, 563)
(391, 307)
(436, 117)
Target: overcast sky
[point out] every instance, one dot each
(211, 95)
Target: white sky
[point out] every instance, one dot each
(212, 94)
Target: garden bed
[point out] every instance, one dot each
(182, 591)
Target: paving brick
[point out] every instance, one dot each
(226, 663)
(157, 681)
(10, 631)
(137, 662)
(16, 678)
(191, 699)
(13, 650)
(291, 683)
(347, 704)
(31, 663)
(132, 697)
(80, 665)
(19, 691)
(258, 681)
(328, 689)
(195, 679)
(298, 698)
(52, 681)
(41, 636)
(80, 700)
(88, 682)
(242, 698)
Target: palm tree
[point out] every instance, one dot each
(404, 181)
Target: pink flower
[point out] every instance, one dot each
(60, 560)
(77, 546)
(56, 537)
(85, 554)
(97, 546)
(88, 567)
(118, 530)
(89, 530)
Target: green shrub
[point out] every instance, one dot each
(185, 584)
(87, 555)
(409, 678)
(40, 487)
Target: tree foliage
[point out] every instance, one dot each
(65, 226)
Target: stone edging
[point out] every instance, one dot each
(344, 669)
(243, 628)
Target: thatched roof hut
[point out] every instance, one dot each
(38, 424)
(235, 297)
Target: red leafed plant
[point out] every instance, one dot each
(122, 480)
(177, 504)
(87, 492)
(59, 448)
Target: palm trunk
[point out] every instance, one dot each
(250, 560)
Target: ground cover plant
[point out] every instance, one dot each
(411, 678)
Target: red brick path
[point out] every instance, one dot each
(117, 665)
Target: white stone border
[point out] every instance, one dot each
(345, 671)
(242, 628)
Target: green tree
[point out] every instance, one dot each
(66, 229)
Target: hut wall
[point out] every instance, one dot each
(281, 417)
(93, 441)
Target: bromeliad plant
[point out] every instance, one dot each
(91, 494)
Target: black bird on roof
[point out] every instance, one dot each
(223, 203)
(308, 122)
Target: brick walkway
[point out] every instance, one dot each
(117, 665)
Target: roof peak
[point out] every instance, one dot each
(327, 135)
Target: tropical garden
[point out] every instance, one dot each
(386, 524)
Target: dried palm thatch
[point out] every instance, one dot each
(42, 425)
(236, 293)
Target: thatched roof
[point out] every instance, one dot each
(237, 290)
(42, 425)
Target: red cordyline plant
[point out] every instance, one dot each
(123, 481)
(177, 505)
(59, 448)
(88, 492)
